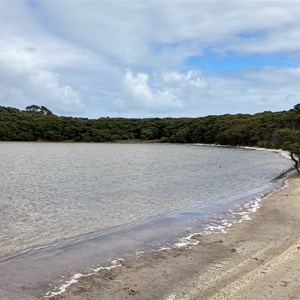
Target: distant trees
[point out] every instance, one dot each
(267, 129)
(38, 109)
(33, 108)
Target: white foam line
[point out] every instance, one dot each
(223, 224)
(102, 268)
(116, 261)
(188, 240)
(74, 279)
(64, 287)
(247, 209)
(171, 297)
(282, 152)
(164, 248)
(216, 226)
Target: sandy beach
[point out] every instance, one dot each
(257, 259)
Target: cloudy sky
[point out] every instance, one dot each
(150, 58)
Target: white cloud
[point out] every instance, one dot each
(151, 33)
(71, 56)
(141, 96)
(250, 91)
(23, 81)
(247, 91)
(191, 79)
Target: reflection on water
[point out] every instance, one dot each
(50, 192)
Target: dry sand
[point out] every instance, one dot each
(257, 259)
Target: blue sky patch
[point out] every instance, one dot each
(210, 62)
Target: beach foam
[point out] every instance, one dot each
(74, 279)
(283, 153)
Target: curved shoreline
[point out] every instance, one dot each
(141, 258)
(241, 214)
(253, 260)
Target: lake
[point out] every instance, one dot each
(53, 194)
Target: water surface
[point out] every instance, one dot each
(51, 192)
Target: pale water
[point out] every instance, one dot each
(52, 192)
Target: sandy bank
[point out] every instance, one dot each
(258, 259)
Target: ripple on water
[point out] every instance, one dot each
(51, 192)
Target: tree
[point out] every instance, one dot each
(297, 106)
(290, 140)
(44, 110)
(147, 134)
(33, 108)
(295, 155)
(39, 109)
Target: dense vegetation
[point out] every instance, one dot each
(267, 129)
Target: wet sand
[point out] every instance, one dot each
(257, 259)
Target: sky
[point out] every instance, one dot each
(150, 58)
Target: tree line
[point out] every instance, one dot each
(266, 129)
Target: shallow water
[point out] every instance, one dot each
(53, 192)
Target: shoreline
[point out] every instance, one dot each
(242, 212)
(145, 259)
(254, 259)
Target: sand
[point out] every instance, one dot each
(257, 259)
